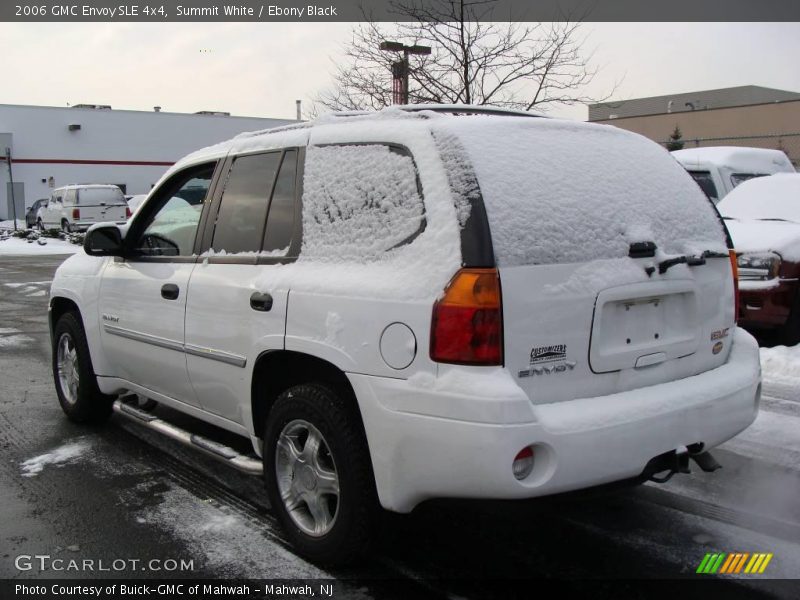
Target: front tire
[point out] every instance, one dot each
(75, 381)
(40, 225)
(65, 226)
(318, 474)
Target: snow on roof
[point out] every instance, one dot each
(773, 197)
(737, 158)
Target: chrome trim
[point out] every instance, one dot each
(143, 337)
(220, 355)
(209, 353)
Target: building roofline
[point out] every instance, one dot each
(142, 112)
(699, 111)
(610, 103)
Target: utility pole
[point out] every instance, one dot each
(11, 179)
(401, 68)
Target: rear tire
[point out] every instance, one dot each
(65, 226)
(73, 374)
(318, 474)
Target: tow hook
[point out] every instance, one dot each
(677, 461)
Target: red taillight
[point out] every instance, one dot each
(467, 324)
(76, 213)
(128, 212)
(735, 272)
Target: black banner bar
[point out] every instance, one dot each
(159, 11)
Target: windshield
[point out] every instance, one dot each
(93, 196)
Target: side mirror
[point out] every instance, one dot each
(105, 240)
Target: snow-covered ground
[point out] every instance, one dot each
(781, 364)
(21, 247)
(10, 224)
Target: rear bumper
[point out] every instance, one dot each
(84, 225)
(577, 444)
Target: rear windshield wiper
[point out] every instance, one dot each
(692, 261)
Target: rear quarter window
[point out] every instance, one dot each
(359, 201)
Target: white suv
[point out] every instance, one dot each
(420, 303)
(78, 207)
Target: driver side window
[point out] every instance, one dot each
(171, 229)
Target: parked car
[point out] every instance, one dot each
(719, 169)
(134, 202)
(32, 214)
(409, 305)
(763, 217)
(77, 207)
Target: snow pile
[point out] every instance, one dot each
(358, 202)
(562, 192)
(753, 236)
(736, 158)
(20, 247)
(781, 364)
(63, 454)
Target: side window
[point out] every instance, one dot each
(170, 230)
(706, 183)
(70, 197)
(243, 209)
(359, 201)
(280, 223)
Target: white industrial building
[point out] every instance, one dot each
(53, 146)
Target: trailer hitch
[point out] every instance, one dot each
(677, 461)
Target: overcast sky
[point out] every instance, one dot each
(260, 69)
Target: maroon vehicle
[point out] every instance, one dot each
(763, 217)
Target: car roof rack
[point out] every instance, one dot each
(467, 109)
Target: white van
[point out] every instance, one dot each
(719, 169)
(77, 207)
(411, 304)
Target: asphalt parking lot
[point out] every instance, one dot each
(120, 493)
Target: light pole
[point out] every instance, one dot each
(401, 68)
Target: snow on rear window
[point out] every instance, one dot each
(562, 192)
(359, 201)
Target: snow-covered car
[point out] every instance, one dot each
(763, 217)
(424, 302)
(719, 169)
(77, 207)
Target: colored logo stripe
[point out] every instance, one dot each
(723, 563)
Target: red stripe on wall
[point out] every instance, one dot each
(64, 161)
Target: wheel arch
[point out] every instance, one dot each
(277, 370)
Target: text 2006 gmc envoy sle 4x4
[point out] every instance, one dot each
(417, 303)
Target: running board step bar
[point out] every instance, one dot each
(224, 454)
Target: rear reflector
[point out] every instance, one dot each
(467, 323)
(523, 463)
(128, 212)
(735, 272)
(76, 213)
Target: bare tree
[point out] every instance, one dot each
(473, 60)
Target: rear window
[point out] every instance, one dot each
(92, 196)
(562, 192)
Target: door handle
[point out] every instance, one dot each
(170, 291)
(261, 302)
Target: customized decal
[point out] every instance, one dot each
(541, 360)
(719, 334)
(546, 354)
